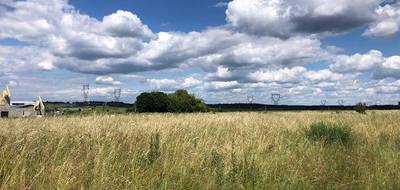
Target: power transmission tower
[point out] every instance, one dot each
(341, 102)
(275, 98)
(250, 99)
(85, 90)
(323, 102)
(117, 94)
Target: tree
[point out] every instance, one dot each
(152, 102)
(360, 108)
(180, 102)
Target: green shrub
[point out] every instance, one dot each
(360, 108)
(329, 133)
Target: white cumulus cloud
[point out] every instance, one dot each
(107, 80)
(387, 21)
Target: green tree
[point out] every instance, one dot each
(179, 102)
(152, 102)
(182, 101)
(360, 108)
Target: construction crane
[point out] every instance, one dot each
(39, 106)
(5, 99)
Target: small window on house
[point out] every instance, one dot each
(4, 114)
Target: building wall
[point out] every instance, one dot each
(18, 112)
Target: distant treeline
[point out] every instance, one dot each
(178, 102)
(264, 107)
(230, 107)
(91, 103)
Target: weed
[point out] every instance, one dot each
(193, 151)
(154, 148)
(329, 133)
(217, 164)
(233, 170)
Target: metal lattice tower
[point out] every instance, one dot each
(117, 94)
(323, 102)
(341, 102)
(250, 99)
(85, 90)
(275, 98)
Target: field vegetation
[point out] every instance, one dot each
(265, 150)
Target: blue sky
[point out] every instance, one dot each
(222, 51)
(177, 15)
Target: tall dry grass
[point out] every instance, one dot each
(199, 151)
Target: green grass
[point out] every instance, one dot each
(330, 133)
(202, 151)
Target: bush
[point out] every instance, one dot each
(329, 133)
(152, 102)
(360, 108)
(180, 101)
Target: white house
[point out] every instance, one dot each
(20, 109)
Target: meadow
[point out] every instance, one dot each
(260, 150)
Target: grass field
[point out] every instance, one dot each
(271, 150)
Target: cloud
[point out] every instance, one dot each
(237, 90)
(22, 59)
(373, 62)
(295, 75)
(383, 87)
(282, 76)
(265, 45)
(254, 51)
(134, 77)
(324, 75)
(172, 49)
(387, 21)
(107, 80)
(104, 91)
(283, 18)
(170, 84)
(126, 24)
(163, 84)
(46, 65)
(121, 44)
(221, 4)
(221, 73)
(389, 68)
(357, 62)
(190, 82)
(221, 85)
(72, 37)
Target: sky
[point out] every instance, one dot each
(309, 51)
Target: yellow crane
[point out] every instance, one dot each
(39, 106)
(5, 99)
